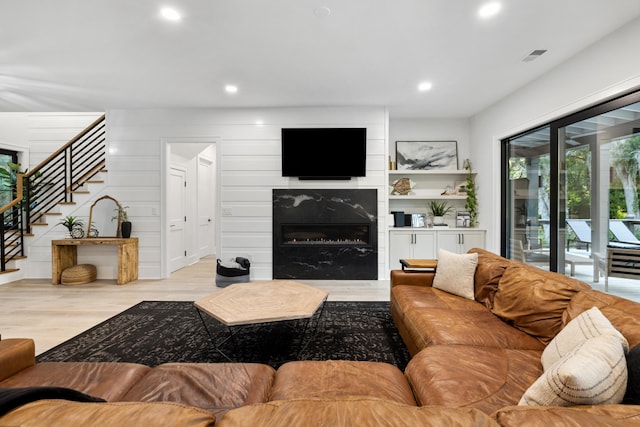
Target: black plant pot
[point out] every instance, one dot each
(125, 229)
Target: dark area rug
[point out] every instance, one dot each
(155, 332)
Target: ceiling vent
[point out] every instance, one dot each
(534, 55)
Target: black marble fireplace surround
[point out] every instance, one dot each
(327, 234)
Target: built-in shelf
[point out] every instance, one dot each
(426, 197)
(429, 172)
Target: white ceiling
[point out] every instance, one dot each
(93, 55)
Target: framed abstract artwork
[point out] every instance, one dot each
(426, 155)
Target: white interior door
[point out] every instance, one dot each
(206, 223)
(176, 209)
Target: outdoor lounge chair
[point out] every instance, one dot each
(622, 233)
(582, 230)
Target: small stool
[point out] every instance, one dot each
(79, 274)
(331, 379)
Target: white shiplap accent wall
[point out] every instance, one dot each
(249, 158)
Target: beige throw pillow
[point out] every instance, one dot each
(589, 324)
(593, 373)
(455, 273)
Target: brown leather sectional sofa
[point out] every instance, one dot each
(484, 354)
(472, 361)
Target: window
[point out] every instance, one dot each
(570, 189)
(7, 192)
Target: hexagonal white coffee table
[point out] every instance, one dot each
(260, 302)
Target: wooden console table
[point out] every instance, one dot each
(64, 254)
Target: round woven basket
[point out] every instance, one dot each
(79, 274)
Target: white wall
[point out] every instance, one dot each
(607, 68)
(249, 159)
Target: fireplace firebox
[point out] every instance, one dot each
(325, 234)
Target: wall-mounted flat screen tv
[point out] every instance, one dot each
(324, 153)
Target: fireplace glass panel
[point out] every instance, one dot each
(326, 234)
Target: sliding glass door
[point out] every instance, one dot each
(528, 198)
(570, 189)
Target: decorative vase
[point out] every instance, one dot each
(437, 220)
(125, 229)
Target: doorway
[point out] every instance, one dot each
(191, 221)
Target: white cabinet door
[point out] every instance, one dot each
(400, 247)
(472, 239)
(424, 245)
(411, 244)
(460, 242)
(449, 241)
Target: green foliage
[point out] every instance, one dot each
(439, 207)
(9, 180)
(121, 214)
(471, 204)
(517, 167)
(71, 223)
(578, 181)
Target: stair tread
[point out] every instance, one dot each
(10, 270)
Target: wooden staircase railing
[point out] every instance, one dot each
(50, 183)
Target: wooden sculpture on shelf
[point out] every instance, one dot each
(402, 186)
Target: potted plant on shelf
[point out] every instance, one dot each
(123, 217)
(439, 209)
(73, 226)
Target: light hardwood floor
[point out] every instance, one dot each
(52, 314)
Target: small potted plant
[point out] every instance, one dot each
(123, 217)
(73, 226)
(439, 209)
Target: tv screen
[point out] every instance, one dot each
(324, 153)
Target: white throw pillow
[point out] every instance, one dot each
(593, 373)
(589, 324)
(455, 273)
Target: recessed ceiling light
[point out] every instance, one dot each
(489, 9)
(231, 89)
(321, 12)
(425, 86)
(170, 14)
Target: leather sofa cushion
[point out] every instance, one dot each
(339, 378)
(351, 412)
(600, 415)
(16, 354)
(534, 300)
(483, 378)
(107, 380)
(623, 314)
(45, 413)
(408, 297)
(215, 387)
(437, 326)
(490, 269)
